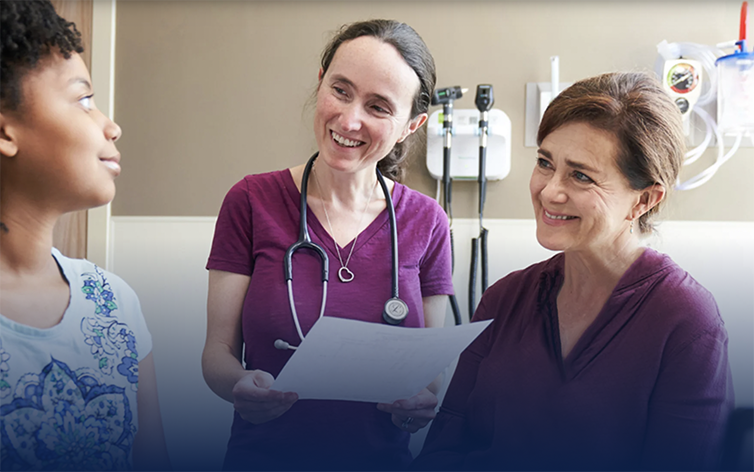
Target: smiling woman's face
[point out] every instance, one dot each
(364, 104)
(581, 200)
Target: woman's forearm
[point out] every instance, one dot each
(221, 370)
(221, 358)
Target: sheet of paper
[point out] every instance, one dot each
(344, 359)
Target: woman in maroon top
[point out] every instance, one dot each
(608, 355)
(374, 89)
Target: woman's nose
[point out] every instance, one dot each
(350, 118)
(554, 190)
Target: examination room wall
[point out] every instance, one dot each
(207, 92)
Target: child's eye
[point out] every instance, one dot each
(581, 177)
(87, 102)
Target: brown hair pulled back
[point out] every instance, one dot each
(411, 47)
(639, 113)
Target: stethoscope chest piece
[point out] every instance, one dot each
(395, 311)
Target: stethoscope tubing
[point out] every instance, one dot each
(393, 235)
(305, 242)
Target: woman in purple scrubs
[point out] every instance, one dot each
(375, 83)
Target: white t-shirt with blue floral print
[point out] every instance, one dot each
(68, 393)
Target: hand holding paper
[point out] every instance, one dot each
(343, 359)
(256, 402)
(421, 409)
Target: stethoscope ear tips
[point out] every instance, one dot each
(395, 311)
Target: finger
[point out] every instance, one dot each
(406, 407)
(412, 426)
(251, 393)
(422, 400)
(253, 387)
(260, 407)
(258, 417)
(427, 414)
(263, 379)
(422, 405)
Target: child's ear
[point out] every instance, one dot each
(8, 145)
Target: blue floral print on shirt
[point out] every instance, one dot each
(4, 368)
(63, 420)
(111, 342)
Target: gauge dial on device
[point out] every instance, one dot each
(682, 78)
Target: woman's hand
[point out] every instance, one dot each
(255, 402)
(414, 413)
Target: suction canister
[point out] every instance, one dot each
(735, 105)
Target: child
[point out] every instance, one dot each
(77, 377)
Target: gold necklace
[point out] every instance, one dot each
(344, 273)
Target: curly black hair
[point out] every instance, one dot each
(29, 30)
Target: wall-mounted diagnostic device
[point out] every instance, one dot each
(464, 156)
(682, 79)
(729, 84)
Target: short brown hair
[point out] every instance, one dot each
(639, 113)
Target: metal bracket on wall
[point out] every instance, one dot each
(537, 98)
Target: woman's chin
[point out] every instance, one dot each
(550, 242)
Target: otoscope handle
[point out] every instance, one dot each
(483, 244)
(472, 276)
(455, 309)
(447, 124)
(482, 179)
(484, 100)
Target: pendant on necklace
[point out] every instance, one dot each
(348, 275)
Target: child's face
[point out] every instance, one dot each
(66, 152)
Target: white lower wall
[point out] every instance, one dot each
(163, 259)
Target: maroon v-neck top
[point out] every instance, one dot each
(257, 223)
(647, 386)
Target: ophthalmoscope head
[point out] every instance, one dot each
(484, 97)
(446, 95)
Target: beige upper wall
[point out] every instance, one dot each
(207, 92)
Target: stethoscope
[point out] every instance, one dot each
(395, 310)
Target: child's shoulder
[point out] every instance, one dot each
(82, 273)
(100, 296)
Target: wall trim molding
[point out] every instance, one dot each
(103, 78)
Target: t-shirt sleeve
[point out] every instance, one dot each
(232, 244)
(692, 400)
(435, 268)
(447, 442)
